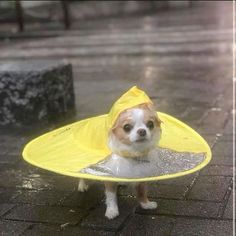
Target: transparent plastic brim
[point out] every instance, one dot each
(159, 162)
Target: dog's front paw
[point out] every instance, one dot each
(148, 205)
(112, 212)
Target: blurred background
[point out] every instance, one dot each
(113, 45)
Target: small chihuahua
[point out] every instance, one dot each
(134, 134)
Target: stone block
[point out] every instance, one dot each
(33, 92)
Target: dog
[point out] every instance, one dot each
(134, 134)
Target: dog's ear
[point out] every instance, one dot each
(158, 121)
(152, 109)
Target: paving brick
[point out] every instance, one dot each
(85, 200)
(48, 230)
(211, 188)
(183, 208)
(13, 228)
(217, 170)
(8, 159)
(211, 139)
(226, 138)
(31, 169)
(215, 117)
(7, 195)
(15, 150)
(221, 160)
(177, 111)
(3, 149)
(193, 114)
(17, 177)
(97, 220)
(5, 207)
(167, 191)
(223, 149)
(12, 146)
(199, 96)
(194, 227)
(225, 99)
(50, 214)
(157, 191)
(213, 122)
(41, 197)
(228, 129)
(180, 181)
(12, 140)
(228, 213)
(140, 225)
(210, 129)
(58, 182)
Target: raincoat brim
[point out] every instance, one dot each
(71, 148)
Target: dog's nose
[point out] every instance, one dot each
(142, 132)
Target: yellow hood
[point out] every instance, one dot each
(131, 98)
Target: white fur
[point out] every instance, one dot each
(148, 205)
(82, 186)
(111, 201)
(138, 116)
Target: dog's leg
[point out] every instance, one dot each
(111, 200)
(82, 186)
(142, 197)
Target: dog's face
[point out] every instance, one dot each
(135, 132)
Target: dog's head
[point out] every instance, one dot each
(135, 132)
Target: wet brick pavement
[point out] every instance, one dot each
(183, 59)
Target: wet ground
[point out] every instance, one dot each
(183, 59)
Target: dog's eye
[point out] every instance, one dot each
(150, 124)
(127, 128)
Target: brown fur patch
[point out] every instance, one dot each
(150, 113)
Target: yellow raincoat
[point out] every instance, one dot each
(69, 149)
